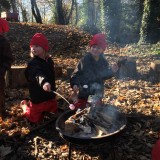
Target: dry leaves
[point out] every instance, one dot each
(138, 99)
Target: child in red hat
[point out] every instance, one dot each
(91, 72)
(6, 60)
(41, 79)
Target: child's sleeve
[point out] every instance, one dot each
(74, 80)
(7, 57)
(106, 72)
(34, 73)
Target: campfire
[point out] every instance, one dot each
(94, 121)
(96, 124)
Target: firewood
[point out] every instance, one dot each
(82, 112)
(105, 117)
(101, 130)
(70, 127)
(100, 126)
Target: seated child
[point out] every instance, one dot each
(91, 72)
(41, 80)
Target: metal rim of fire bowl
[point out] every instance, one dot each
(64, 116)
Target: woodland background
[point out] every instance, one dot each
(124, 21)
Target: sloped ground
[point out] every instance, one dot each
(138, 98)
(67, 41)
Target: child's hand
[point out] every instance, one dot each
(72, 107)
(115, 67)
(47, 87)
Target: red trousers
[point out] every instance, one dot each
(82, 103)
(35, 112)
(156, 151)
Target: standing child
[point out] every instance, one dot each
(90, 73)
(41, 78)
(6, 60)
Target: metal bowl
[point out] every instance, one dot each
(76, 139)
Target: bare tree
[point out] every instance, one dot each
(91, 13)
(112, 9)
(63, 14)
(14, 6)
(35, 11)
(24, 12)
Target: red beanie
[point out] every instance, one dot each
(40, 40)
(98, 39)
(4, 27)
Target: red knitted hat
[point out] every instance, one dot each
(98, 39)
(40, 40)
(4, 27)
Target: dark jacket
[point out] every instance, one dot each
(88, 72)
(6, 57)
(37, 73)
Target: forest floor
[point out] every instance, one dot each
(138, 98)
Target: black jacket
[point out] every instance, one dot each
(89, 71)
(37, 73)
(6, 57)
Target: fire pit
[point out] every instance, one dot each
(89, 139)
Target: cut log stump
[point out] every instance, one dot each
(154, 72)
(69, 71)
(15, 77)
(127, 68)
(58, 71)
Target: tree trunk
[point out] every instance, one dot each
(24, 12)
(35, 11)
(63, 17)
(145, 21)
(112, 10)
(154, 22)
(91, 13)
(14, 6)
(76, 6)
(70, 13)
(59, 13)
